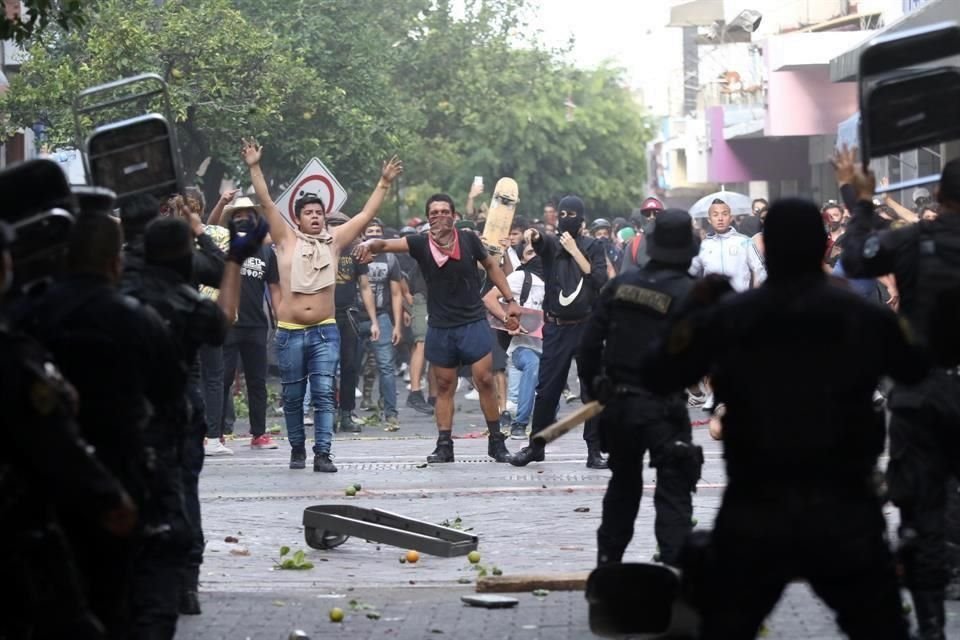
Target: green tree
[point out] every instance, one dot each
(228, 77)
(494, 102)
(38, 16)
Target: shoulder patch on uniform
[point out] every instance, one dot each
(656, 300)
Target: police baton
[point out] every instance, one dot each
(560, 427)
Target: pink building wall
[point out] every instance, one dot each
(746, 159)
(803, 102)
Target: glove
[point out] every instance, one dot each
(246, 238)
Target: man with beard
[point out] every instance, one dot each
(458, 333)
(575, 269)
(308, 342)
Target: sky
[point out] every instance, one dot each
(630, 32)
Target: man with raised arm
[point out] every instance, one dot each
(308, 343)
(458, 333)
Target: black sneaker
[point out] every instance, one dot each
(298, 457)
(518, 432)
(323, 464)
(416, 402)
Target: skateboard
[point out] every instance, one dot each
(500, 214)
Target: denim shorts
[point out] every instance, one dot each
(452, 347)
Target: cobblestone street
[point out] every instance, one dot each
(529, 520)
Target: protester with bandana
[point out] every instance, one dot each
(458, 333)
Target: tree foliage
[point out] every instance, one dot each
(458, 88)
(38, 15)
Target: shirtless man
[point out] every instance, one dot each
(458, 333)
(308, 343)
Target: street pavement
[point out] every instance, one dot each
(538, 519)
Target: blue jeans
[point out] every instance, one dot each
(513, 382)
(383, 353)
(527, 362)
(313, 354)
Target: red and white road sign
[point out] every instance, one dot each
(316, 179)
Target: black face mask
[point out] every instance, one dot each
(570, 225)
(534, 265)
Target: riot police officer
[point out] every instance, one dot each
(206, 268)
(120, 357)
(46, 471)
(924, 441)
(633, 310)
(801, 501)
(164, 283)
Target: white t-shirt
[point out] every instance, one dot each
(534, 301)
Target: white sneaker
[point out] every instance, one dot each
(511, 407)
(357, 393)
(472, 395)
(406, 376)
(216, 448)
(708, 403)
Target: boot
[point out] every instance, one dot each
(496, 449)
(189, 597)
(595, 458)
(323, 464)
(530, 453)
(931, 616)
(347, 425)
(298, 457)
(444, 450)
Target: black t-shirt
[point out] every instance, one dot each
(412, 274)
(454, 298)
(346, 293)
(382, 271)
(253, 282)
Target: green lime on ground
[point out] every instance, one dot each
(356, 485)
(473, 557)
(336, 614)
(351, 491)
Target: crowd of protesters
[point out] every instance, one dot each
(356, 305)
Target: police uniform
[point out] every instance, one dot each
(122, 360)
(632, 311)
(924, 439)
(801, 501)
(47, 473)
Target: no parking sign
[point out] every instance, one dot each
(314, 179)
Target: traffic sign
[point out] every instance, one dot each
(316, 179)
